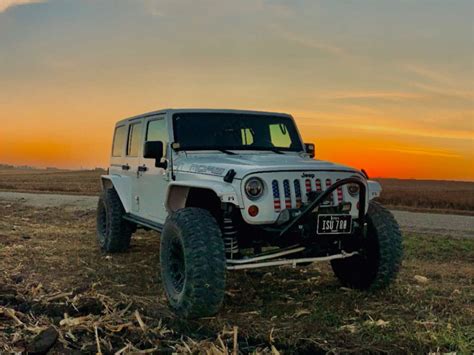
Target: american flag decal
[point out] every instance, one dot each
(276, 196)
(307, 184)
(286, 187)
(318, 185)
(328, 184)
(339, 193)
(298, 193)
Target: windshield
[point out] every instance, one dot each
(230, 131)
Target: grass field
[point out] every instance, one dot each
(420, 195)
(52, 181)
(52, 274)
(453, 196)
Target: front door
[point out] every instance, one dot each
(153, 181)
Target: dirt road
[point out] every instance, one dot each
(440, 224)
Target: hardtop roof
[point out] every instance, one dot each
(200, 110)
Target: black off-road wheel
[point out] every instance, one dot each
(193, 263)
(380, 255)
(113, 232)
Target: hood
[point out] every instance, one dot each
(220, 163)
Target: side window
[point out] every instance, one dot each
(156, 131)
(119, 141)
(134, 138)
(280, 136)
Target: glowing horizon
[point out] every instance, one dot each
(384, 86)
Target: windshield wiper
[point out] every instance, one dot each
(226, 151)
(275, 150)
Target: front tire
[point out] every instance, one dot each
(193, 263)
(113, 232)
(380, 256)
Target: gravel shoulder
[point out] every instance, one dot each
(429, 223)
(437, 224)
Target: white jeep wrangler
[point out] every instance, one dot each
(232, 190)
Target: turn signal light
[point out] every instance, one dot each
(346, 207)
(253, 211)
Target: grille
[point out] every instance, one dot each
(289, 193)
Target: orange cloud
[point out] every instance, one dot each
(6, 4)
(385, 95)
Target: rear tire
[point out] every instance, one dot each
(113, 232)
(193, 263)
(380, 257)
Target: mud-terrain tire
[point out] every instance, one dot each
(193, 263)
(380, 257)
(113, 232)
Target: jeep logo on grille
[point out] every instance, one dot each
(306, 175)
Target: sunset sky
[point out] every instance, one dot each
(383, 85)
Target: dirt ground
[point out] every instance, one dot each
(54, 280)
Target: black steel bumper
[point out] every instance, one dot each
(309, 208)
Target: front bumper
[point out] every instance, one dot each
(298, 217)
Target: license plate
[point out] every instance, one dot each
(334, 224)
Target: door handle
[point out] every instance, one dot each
(126, 167)
(142, 168)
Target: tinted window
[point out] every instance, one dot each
(134, 139)
(157, 131)
(119, 141)
(201, 131)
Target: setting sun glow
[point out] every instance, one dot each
(380, 85)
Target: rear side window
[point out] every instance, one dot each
(134, 139)
(119, 141)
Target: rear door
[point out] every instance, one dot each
(117, 160)
(153, 181)
(134, 149)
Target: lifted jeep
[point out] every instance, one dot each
(233, 190)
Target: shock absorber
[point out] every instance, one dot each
(229, 233)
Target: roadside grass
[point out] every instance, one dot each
(50, 266)
(440, 249)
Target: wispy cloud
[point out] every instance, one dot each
(429, 74)
(6, 4)
(429, 152)
(305, 41)
(384, 127)
(443, 91)
(313, 43)
(379, 95)
(438, 83)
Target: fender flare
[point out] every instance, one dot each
(178, 191)
(373, 189)
(122, 185)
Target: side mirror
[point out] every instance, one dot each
(310, 149)
(154, 150)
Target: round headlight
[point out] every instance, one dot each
(254, 188)
(353, 189)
